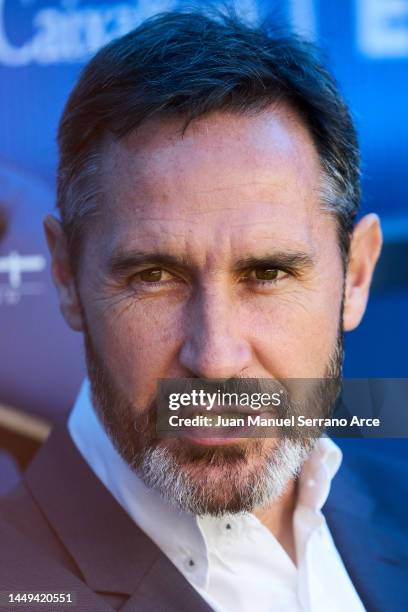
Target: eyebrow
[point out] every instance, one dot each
(122, 262)
(296, 261)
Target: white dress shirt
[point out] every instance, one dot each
(234, 562)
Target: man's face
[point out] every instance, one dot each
(211, 257)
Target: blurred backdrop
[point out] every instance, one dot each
(43, 46)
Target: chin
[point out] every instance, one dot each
(217, 480)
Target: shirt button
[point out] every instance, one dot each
(189, 564)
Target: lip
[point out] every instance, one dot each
(200, 435)
(202, 439)
(214, 441)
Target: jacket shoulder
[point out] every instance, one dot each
(33, 560)
(378, 468)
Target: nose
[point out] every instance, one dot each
(214, 345)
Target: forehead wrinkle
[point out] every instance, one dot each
(163, 184)
(185, 204)
(152, 158)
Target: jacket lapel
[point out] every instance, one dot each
(111, 552)
(372, 548)
(164, 588)
(25, 569)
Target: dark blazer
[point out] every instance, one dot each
(62, 531)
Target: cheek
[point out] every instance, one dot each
(294, 336)
(138, 343)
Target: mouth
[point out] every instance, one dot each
(220, 427)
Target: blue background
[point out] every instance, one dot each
(44, 44)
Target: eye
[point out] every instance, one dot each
(266, 275)
(155, 281)
(153, 275)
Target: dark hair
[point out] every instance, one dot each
(190, 64)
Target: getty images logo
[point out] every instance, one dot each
(14, 266)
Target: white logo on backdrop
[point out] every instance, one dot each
(14, 265)
(382, 28)
(72, 32)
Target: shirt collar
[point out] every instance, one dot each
(181, 536)
(317, 473)
(173, 531)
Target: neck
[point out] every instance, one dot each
(278, 518)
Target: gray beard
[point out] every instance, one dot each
(161, 471)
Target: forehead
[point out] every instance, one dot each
(251, 177)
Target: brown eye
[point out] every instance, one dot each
(266, 274)
(154, 275)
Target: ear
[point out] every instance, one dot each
(62, 273)
(365, 249)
